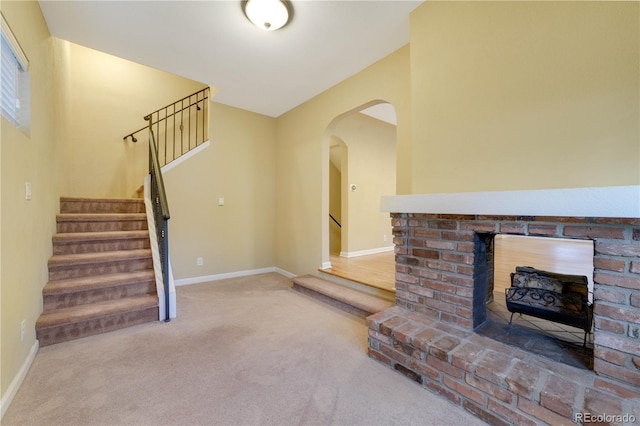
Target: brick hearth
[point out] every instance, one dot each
(441, 260)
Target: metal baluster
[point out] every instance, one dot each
(189, 118)
(174, 127)
(197, 109)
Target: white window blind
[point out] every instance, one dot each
(14, 79)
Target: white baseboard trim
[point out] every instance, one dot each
(366, 252)
(326, 265)
(285, 273)
(17, 381)
(217, 277)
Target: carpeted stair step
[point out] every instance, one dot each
(101, 274)
(95, 242)
(61, 325)
(67, 266)
(354, 301)
(101, 205)
(102, 222)
(79, 291)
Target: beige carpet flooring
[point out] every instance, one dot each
(244, 351)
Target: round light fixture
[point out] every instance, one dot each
(268, 15)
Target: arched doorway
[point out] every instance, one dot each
(360, 148)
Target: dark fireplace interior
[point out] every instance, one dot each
(551, 339)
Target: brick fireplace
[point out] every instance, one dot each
(442, 259)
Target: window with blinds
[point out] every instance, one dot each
(14, 80)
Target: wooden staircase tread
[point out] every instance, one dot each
(358, 299)
(64, 237)
(73, 285)
(99, 217)
(101, 200)
(87, 312)
(60, 260)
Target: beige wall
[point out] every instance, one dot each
(303, 157)
(27, 226)
(371, 147)
(524, 95)
(107, 98)
(239, 166)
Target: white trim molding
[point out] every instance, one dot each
(15, 384)
(285, 273)
(217, 277)
(184, 157)
(610, 201)
(326, 265)
(365, 252)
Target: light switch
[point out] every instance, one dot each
(27, 190)
(221, 201)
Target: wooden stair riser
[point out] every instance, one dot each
(62, 333)
(81, 225)
(62, 272)
(77, 247)
(66, 300)
(82, 205)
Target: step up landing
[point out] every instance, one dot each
(345, 298)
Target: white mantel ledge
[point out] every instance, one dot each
(610, 201)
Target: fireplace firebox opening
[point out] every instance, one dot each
(497, 256)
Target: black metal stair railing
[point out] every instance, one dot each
(179, 127)
(175, 139)
(335, 220)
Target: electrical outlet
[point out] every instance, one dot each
(23, 327)
(384, 237)
(199, 261)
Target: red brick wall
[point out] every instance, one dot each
(439, 258)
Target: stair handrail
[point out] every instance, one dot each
(335, 220)
(154, 166)
(161, 215)
(184, 109)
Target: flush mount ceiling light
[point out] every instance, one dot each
(268, 15)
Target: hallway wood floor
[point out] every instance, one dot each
(375, 270)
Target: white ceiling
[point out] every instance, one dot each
(213, 42)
